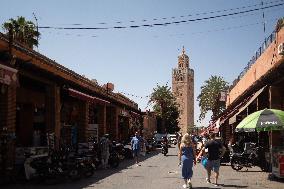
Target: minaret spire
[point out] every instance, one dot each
(183, 51)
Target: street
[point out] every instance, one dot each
(157, 171)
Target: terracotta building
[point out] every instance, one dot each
(258, 86)
(149, 124)
(44, 104)
(183, 90)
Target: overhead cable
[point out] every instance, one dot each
(165, 23)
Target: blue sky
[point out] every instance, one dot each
(136, 59)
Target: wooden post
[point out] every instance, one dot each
(57, 116)
(104, 119)
(116, 123)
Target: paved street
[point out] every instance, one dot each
(157, 171)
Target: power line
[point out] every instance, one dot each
(181, 34)
(182, 16)
(165, 23)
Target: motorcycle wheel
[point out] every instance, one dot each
(89, 171)
(74, 174)
(235, 164)
(52, 178)
(114, 163)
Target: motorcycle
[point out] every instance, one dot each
(164, 148)
(247, 158)
(42, 168)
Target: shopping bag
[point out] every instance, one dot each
(204, 161)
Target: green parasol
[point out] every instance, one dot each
(263, 120)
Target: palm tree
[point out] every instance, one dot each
(23, 31)
(209, 96)
(165, 107)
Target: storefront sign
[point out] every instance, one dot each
(7, 75)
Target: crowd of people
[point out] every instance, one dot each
(190, 150)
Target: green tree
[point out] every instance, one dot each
(280, 24)
(209, 96)
(165, 108)
(23, 31)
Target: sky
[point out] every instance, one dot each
(136, 59)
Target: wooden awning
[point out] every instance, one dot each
(86, 97)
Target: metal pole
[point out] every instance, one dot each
(36, 28)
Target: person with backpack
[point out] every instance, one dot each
(104, 147)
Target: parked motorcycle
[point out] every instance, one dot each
(248, 158)
(43, 169)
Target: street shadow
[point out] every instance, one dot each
(152, 166)
(250, 171)
(232, 186)
(96, 179)
(171, 155)
(206, 187)
(225, 164)
(137, 176)
(273, 178)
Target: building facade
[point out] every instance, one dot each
(183, 90)
(44, 105)
(149, 124)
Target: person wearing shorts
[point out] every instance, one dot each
(215, 151)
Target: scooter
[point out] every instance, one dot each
(42, 168)
(164, 148)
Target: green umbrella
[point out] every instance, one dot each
(263, 120)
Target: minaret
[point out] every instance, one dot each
(183, 90)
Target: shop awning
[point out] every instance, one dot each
(86, 97)
(233, 119)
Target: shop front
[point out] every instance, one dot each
(8, 83)
(73, 118)
(34, 118)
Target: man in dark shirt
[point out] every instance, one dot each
(215, 151)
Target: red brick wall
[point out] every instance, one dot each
(263, 64)
(11, 123)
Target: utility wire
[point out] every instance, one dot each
(165, 23)
(181, 34)
(190, 15)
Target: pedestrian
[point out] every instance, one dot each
(179, 139)
(135, 146)
(215, 151)
(186, 159)
(104, 147)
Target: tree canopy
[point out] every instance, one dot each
(23, 31)
(209, 96)
(280, 24)
(165, 107)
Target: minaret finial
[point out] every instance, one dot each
(183, 51)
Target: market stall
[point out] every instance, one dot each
(269, 120)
